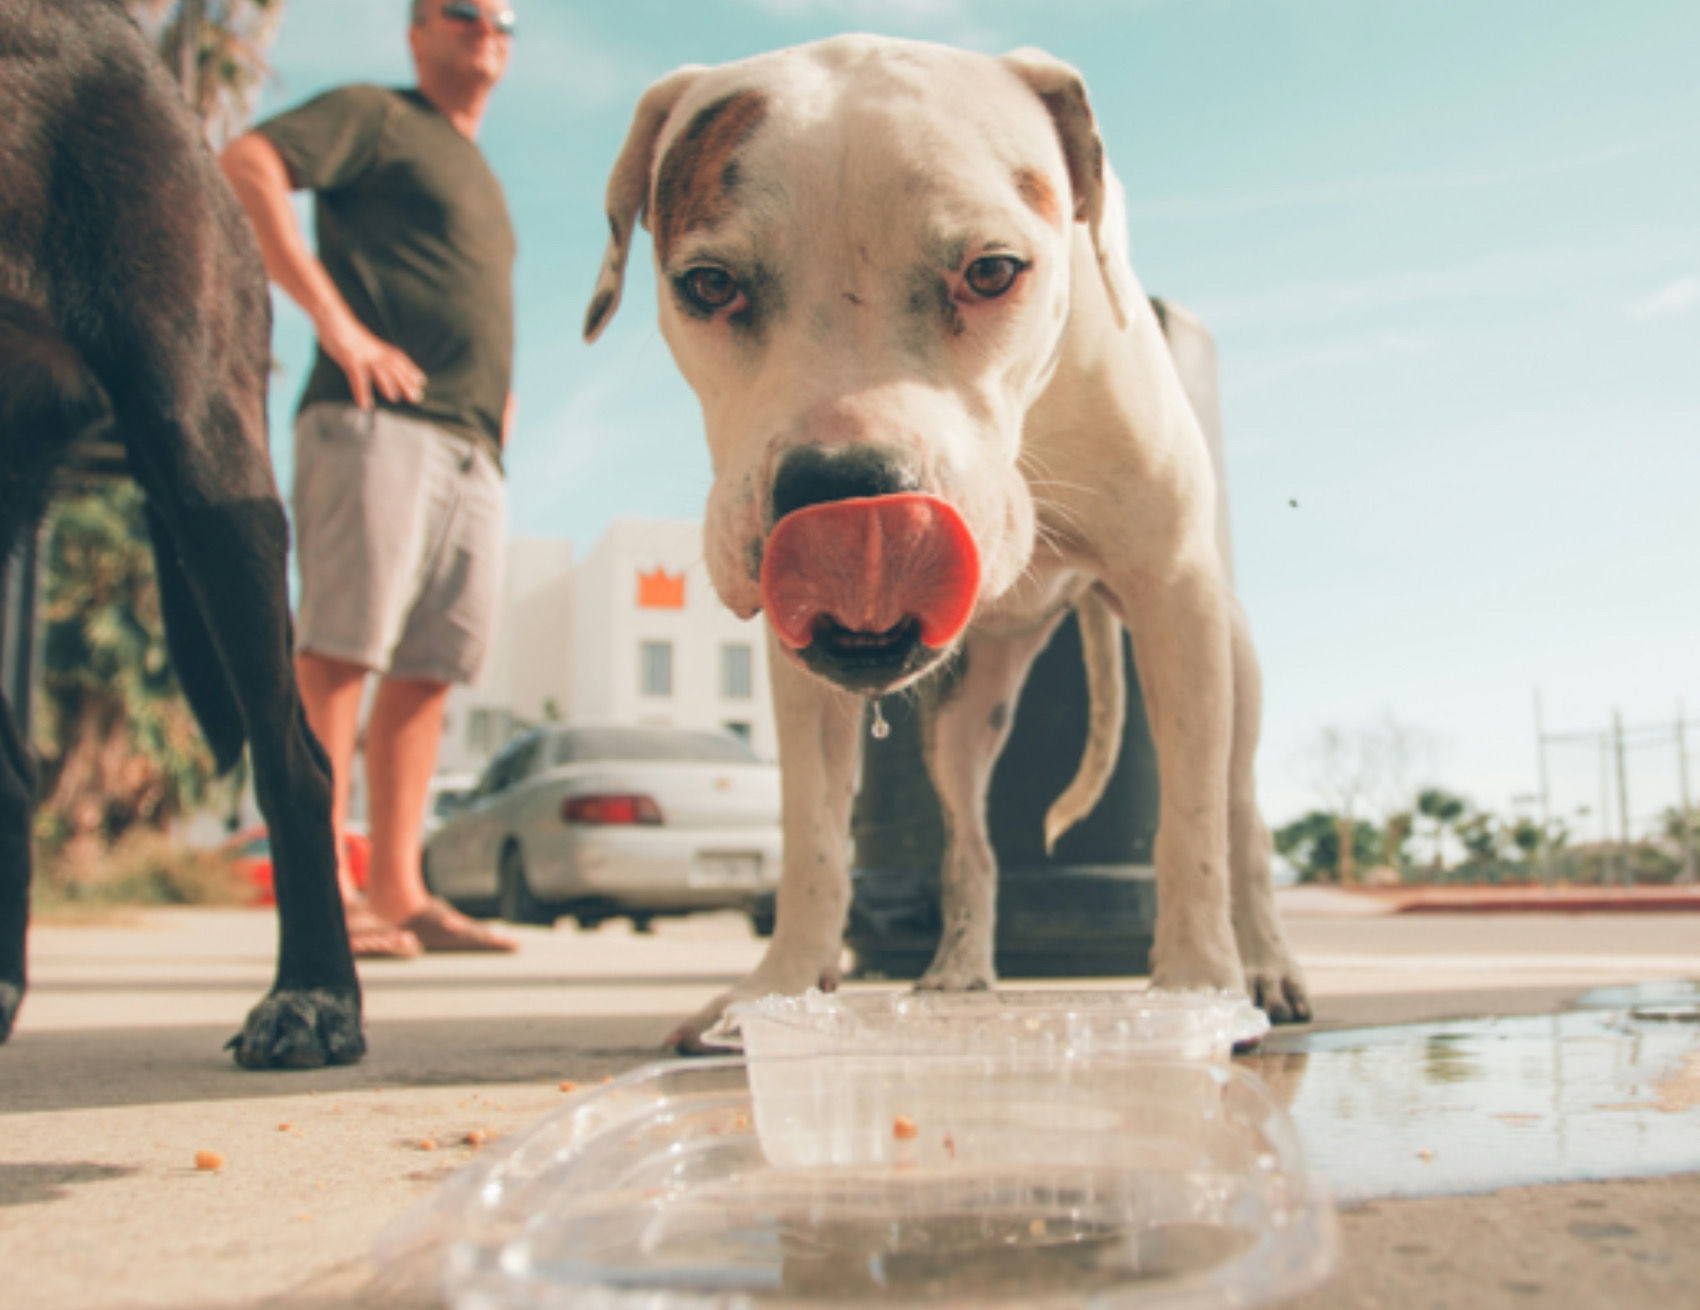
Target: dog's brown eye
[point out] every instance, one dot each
(709, 288)
(993, 275)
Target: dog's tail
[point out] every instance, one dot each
(1106, 694)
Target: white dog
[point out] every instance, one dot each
(941, 412)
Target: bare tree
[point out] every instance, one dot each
(1369, 769)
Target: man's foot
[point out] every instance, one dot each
(372, 938)
(441, 927)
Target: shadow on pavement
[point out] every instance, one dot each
(28, 1183)
(99, 1068)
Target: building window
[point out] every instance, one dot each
(656, 668)
(739, 730)
(735, 681)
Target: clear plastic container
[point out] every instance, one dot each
(1081, 1025)
(1148, 1184)
(815, 1112)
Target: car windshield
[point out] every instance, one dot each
(448, 800)
(585, 745)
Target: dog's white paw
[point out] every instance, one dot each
(963, 963)
(1194, 965)
(1276, 985)
(1273, 979)
(957, 976)
(687, 1038)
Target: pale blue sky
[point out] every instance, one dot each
(1450, 250)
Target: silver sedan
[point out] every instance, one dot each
(603, 822)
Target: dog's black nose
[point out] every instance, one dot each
(818, 475)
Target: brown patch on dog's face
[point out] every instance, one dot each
(699, 175)
(1035, 188)
(1081, 146)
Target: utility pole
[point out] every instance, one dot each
(1622, 794)
(1546, 816)
(1605, 809)
(1688, 872)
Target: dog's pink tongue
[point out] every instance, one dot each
(868, 565)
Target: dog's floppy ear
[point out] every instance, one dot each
(1098, 199)
(628, 190)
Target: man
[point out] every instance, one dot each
(398, 497)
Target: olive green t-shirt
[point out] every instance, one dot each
(413, 229)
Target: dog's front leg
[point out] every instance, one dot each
(1181, 642)
(820, 748)
(969, 710)
(1272, 974)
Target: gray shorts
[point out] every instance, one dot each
(399, 530)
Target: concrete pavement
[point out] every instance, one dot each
(115, 1080)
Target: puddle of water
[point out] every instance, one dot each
(1639, 995)
(1449, 1108)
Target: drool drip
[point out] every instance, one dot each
(880, 729)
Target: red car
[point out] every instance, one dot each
(251, 849)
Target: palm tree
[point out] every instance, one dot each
(1444, 809)
(224, 60)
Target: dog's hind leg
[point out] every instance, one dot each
(232, 555)
(194, 657)
(17, 802)
(968, 712)
(1272, 974)
(48, 397)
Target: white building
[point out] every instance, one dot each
(633, 633)
(653, 644)
(528, 675)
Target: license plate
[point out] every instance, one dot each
(727, 871)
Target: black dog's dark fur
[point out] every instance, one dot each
(132, 296)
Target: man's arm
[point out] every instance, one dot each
(259, 177)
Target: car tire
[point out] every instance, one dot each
(515, 901)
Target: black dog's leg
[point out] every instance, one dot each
(233, 557)
(17, 799)
(194, 658)
(312, 1016)
(47, 397)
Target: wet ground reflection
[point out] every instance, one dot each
(1611, 1091)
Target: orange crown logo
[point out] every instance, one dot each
(661, 590)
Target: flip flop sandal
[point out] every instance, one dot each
(441, 927)
(372, 938)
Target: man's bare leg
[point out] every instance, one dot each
(330, 693)
(402, 737)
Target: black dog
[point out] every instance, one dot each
(132, 297)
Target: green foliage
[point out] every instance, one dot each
(142, 868)
(1313, 845)
(117, 743)
(1480, 833)
(230, 57)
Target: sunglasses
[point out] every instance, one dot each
(467, 11)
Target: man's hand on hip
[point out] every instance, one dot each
(370, 363)
(260, 179)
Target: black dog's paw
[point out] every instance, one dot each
(301, 1030)
(11, 997)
